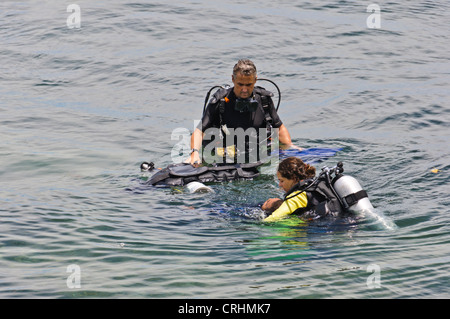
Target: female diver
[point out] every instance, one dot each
(291, 171)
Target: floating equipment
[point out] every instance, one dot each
(197, 187)
(183, 174)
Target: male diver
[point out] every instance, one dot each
(242, 106)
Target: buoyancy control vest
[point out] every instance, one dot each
(322, 201)
(225, 146)
(260, 94)
(182, 174)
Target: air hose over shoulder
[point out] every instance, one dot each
(278, 89)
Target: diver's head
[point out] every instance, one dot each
(244, 78)
(292, 170)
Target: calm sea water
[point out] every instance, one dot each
(81, 108)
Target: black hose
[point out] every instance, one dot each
(207, 96)
(278, 89)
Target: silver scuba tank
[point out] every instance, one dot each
(352, 194)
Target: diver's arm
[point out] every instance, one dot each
(196, 143)
(269, 203)
(280, 213)
(288, 207)
(285, 138)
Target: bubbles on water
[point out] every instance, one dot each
(376, 219)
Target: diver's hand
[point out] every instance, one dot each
(268, 203)
(290, 147)
(195, 159)
(295, 147)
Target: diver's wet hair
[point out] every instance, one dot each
(244, 67)
(294, 168)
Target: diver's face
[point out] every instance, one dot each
(243, 85)
(284, 183)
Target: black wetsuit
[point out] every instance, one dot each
(233, 118)
(221, 111)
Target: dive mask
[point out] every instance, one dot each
(246, 105)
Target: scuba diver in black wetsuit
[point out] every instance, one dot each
(242, 106)
(245, 120)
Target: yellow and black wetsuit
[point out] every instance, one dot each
(312, 198)
(296, 200)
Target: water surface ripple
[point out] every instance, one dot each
(80, 109)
